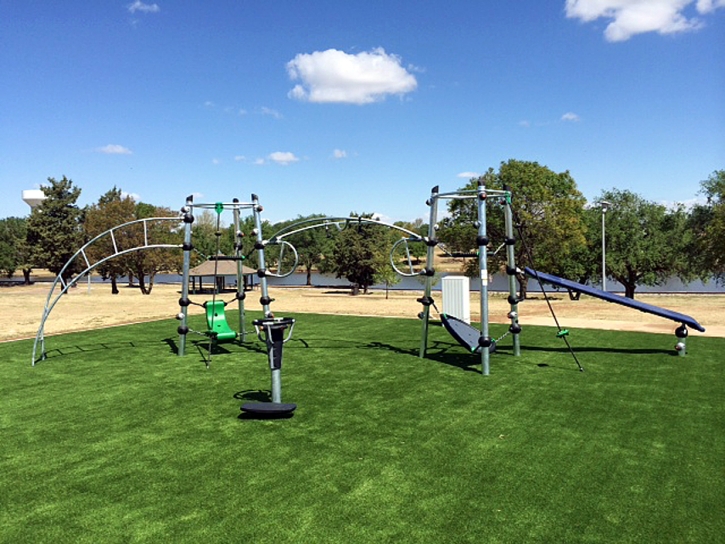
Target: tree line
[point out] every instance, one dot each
(557, 231)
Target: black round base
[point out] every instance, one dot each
(268, 409)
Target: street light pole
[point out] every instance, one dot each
(605, 205)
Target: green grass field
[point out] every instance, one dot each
(114, 438)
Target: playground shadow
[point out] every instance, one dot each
(253, 395)
(440, 352)
(594, 349)
(66, 351)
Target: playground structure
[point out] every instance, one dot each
(685, 320)
(60, 286)
(270, 328)
(464, 333)
(461, 331)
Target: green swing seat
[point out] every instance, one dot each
(216, 322)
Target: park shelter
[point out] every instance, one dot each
(225, 272)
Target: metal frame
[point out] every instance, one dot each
(51, 301)
(481, 194)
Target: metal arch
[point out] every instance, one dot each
(283, 244)
(340, 223)
(50, 302)
(405, 241)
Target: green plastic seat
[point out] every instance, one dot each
(216, 322)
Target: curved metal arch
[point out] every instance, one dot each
(343, 222)
(317, 222)
(50, 301)
(293, 267)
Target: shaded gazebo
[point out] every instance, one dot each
(223, 270)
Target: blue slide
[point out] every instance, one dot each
(616, 299)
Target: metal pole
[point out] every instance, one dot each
(511, 271)
(188, 220)
(264, 300)
(240, 271)
(429, 268)
(604, 204)
(482, 243)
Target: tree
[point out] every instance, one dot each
(204, 235)
(149, 262)
(416, 250)
(55, 228)
(112, 210)
(646, 242)
(548, 212)
(14, 248)
(312, 245)
(359, 252)
(708, 223)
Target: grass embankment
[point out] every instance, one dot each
(114, 438)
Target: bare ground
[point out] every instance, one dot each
(21, 308)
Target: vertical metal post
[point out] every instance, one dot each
(482, 243)
(188, 220)
(259, 246)
(276, 385)
(511, 272)
(240, 270)
(429, 268)
(605, 205)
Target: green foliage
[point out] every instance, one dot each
(146, 264)
(646, 243)
(314, 245)
(55, 227)
(112, 210)
(360, 253)
(13, 245)
(548, 208)
(116, 439)
(708, 225)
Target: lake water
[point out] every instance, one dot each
(499, 283)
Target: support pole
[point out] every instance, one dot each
(187, 247)
(482, 242)
(429, 268)
(515, 328)
(238, 235)
(259, 246)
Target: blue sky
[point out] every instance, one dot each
(332, 107)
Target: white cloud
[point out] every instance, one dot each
(240, 158)
(339, 154)
(283, 157)
(707, 6)
(114, 149)
(215, 161)
(259, 162)
(144, 8)
(272, 113)
(133, 196)
(571, 117)
(468, 175)
(631, 17)
(334, 76)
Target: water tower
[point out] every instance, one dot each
(33, 197)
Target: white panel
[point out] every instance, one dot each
(456, 297)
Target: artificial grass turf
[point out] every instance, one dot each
(114, 438)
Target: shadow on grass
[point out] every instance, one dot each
(66, 351)
(590, 349)
(254, 395)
